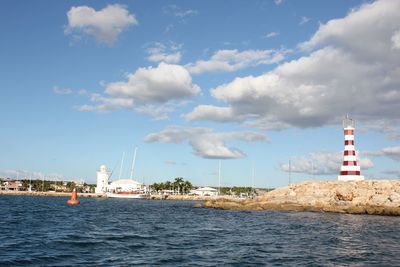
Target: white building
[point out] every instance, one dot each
(205, 191)
(125, 185)
(102, 180)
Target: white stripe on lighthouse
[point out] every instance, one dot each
(349, 158)
(350, 168)
(349, 137)
(349, 147)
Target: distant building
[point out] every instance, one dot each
(205, 191)
(12, 185)
(167, 192)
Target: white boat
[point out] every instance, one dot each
(131, 195)
(127, 188)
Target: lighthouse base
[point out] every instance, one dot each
(350, 178)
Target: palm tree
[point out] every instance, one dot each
(178, 183)
(187, 186)
(167, 185)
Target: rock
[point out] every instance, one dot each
(345, 192)
(394, 197)
(378, 200)
(380, 197)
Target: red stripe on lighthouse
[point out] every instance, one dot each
(348, 132)
(350, 173)
(349, 163)
(349, 142)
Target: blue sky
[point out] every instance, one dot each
(250, 83)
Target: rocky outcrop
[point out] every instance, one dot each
(361, 197)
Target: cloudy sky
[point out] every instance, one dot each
(252, 84)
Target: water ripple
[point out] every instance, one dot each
(44, 231)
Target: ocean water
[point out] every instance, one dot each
(44, 231)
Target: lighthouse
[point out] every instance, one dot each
(102, 180)
(349, 171)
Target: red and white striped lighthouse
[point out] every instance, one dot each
(349, 169)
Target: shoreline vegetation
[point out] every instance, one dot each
(378, 197)
(177, 189)
(94, 195)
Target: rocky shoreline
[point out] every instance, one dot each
(379, 197)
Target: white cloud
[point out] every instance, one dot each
(179, 12)
(105, 25)
(62, 91)
(209, 112)
(351, 68)
(393, 172)
(322, 163)
(304, 20)
(25, 174)
(161, 53)
(391, 152)
(107, 103)
(391, 128)
(278, 2)
(160, 85)
(82, 92)
(233, 60)
(271, 34)
(396, 40)
(205, 142)
(156, 111)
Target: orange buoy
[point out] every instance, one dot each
(74, 198)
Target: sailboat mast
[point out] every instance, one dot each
(122, 163)
(219, 177)
(252, 177)
(290, 173)
(133, 163)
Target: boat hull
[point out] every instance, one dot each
(130, 196)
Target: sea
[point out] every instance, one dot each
(45, 231)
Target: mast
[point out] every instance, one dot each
(133, 163)
(252, 178)
(312, 169)
(122, 163)
(219, 177)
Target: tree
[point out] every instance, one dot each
(178, 183)
(187, 186)
(70, 186)
(167, 185)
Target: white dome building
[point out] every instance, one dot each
(125, 185)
